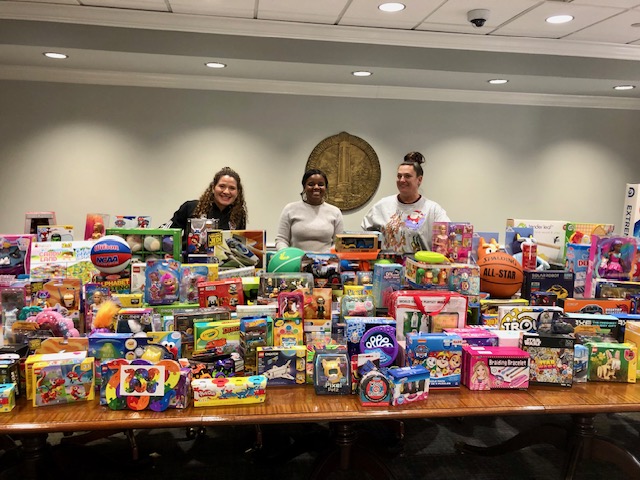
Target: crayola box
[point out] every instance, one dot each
(221, 337)
(612, 362)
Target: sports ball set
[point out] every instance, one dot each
(153, 327)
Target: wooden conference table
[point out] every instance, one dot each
(301, 404)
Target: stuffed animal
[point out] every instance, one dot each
(104, 319)
(59, 325)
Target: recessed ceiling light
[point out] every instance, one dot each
(391, 7)
(498, 81)
(57, 56)
(215, 65)
(559, 19)
(361, 73)
(624, 87)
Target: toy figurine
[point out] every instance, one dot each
(440, 239)
(320, 307)
(612, 262)
(104, 319)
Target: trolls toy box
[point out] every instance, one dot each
(425, 311)
(490, 368)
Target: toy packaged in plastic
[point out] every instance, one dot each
(271, 284)
(162, 282)
(611, 258)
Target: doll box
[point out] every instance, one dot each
(439, 353)
(419, 310)
(283, 366)
(453, 239)
(209, 392)
(560, 282)
(551, 358)
(64, 381)
(612, 258)
(492, 368)
(409, 384)
(612, 362)
(221, 293)
(7, 396)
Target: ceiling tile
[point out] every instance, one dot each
(608, 3)
(65, 2)
(617, 29)
(306, 11)
(366, 13)
(155, 5)
(533, 24)
(223, 8)
(452, 16)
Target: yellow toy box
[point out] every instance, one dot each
(7, 396)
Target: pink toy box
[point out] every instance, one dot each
(611, 258)
(15, 254)
(491, 368)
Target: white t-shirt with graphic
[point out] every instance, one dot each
(405, 227)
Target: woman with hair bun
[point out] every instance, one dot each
(406, 219)
(310, 224)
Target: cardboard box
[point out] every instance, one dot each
(631, 211)
(560, 282)
(551, 358)
(549, 235)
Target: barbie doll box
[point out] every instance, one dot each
(491, 368)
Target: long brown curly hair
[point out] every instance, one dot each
(239, 214)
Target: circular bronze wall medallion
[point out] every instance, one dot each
(352, 168)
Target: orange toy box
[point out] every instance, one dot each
(597, 305)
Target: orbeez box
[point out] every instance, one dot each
(490, 368)
(612, 362)
(357, 329)
(560, 282)
(551, 358)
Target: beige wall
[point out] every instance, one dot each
(125, 150)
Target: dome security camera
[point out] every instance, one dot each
(478, 17)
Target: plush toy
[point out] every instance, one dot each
(51, 319)
(103, 320)
(485, 248)
(134, 242)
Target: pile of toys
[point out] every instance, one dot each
(89, 322)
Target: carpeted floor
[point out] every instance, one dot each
(290, 452)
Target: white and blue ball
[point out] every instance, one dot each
(111, 254)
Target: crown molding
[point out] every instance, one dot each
(174, 81)
(112, 17)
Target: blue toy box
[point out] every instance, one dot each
(439, 353)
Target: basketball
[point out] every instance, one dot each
(500, 274)
(286, 260)
(111, 254)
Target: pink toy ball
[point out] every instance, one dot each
(111, 254)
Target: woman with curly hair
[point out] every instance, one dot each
(223, 201)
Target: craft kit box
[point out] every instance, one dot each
(551, 358)
(184, 321)
(283, 366)
(480, 337)
(423, 311)
(612, 362)
(490, 368)
(549, 235)
(560, 282)
(439, 353)
(209, 392)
